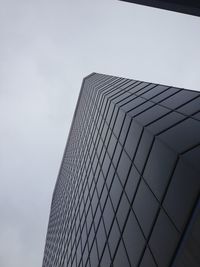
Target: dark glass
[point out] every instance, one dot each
(101, 238)
(164, 240)
(191, 7)
(147, 260)
(190, 138)
(179, 99)
(122, 211)
(133, 138)
(106, 260)
(158, 175)
(191, 107)
(143, 150)
(121, 258)
(133, 240)
(123, 167)
(145, 207)
(127, 192)
(114, 238)
(182, 194)
(115, 191)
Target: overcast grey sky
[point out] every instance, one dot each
(46, 48)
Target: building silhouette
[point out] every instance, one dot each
(191, 7)
(127, 192)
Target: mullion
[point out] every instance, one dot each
(90, 137)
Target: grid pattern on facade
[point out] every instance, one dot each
(129, 180)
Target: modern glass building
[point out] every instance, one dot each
(191, 7)
(127, 193)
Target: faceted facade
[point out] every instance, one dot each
(127, 193)
(191, 7)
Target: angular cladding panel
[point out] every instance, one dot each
(191, 7)
(127, 193)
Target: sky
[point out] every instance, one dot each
(46, 48)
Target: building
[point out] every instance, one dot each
(127, 192)
(191, 7)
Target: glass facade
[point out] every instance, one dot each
(191, 7)
(127, 192)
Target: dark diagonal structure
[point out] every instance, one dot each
(191, 7)
(127, 194)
